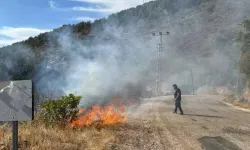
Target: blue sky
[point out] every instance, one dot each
(20, 19)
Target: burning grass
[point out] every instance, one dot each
(101, 116)
(93, 129)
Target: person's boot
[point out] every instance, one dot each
(175, 112)
(181, 113)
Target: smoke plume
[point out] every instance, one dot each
(121, 59)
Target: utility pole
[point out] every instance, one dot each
(238, 82)
(186, 79)
(160, 48)
(192, 80)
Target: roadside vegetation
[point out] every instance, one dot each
(241, 98)
(244, 66)
(240, 102)
(244, 38)
(52, 129)
(243, 105)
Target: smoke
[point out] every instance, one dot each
(113, 68)
(121, 59)
(203, 40)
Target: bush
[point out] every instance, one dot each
(60, 111)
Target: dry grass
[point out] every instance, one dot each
(35, 135)
(243, 105)
(233, 100)
(230, 99)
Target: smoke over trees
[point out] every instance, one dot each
(117, 55)
(244, 38)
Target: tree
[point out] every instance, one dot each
(244, 38)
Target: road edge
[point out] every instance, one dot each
(235, 107)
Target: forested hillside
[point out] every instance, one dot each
(39, 44)
(121, 47)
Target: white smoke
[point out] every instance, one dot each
(122, 59)
(127, 58)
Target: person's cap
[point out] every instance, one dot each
(174, 85)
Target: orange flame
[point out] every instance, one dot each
(107, 115)
(81, 110)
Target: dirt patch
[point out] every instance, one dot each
(213, 110)
(217, 143)
(136, 136)
(204, 127)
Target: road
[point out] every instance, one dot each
(207, 123)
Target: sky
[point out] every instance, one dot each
(21, 19)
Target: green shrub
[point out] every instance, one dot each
(60, 111)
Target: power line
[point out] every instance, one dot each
(160, 48)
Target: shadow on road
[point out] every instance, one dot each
(158, 101)
(203, 116)
(217, 143)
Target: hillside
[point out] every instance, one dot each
(85, 30)
(122, 48)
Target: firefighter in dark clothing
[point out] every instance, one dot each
(177, 99)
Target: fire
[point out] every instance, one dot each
(107, 115)
(81, 110)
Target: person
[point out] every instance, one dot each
(177, 99)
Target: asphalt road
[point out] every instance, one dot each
(207, 123)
